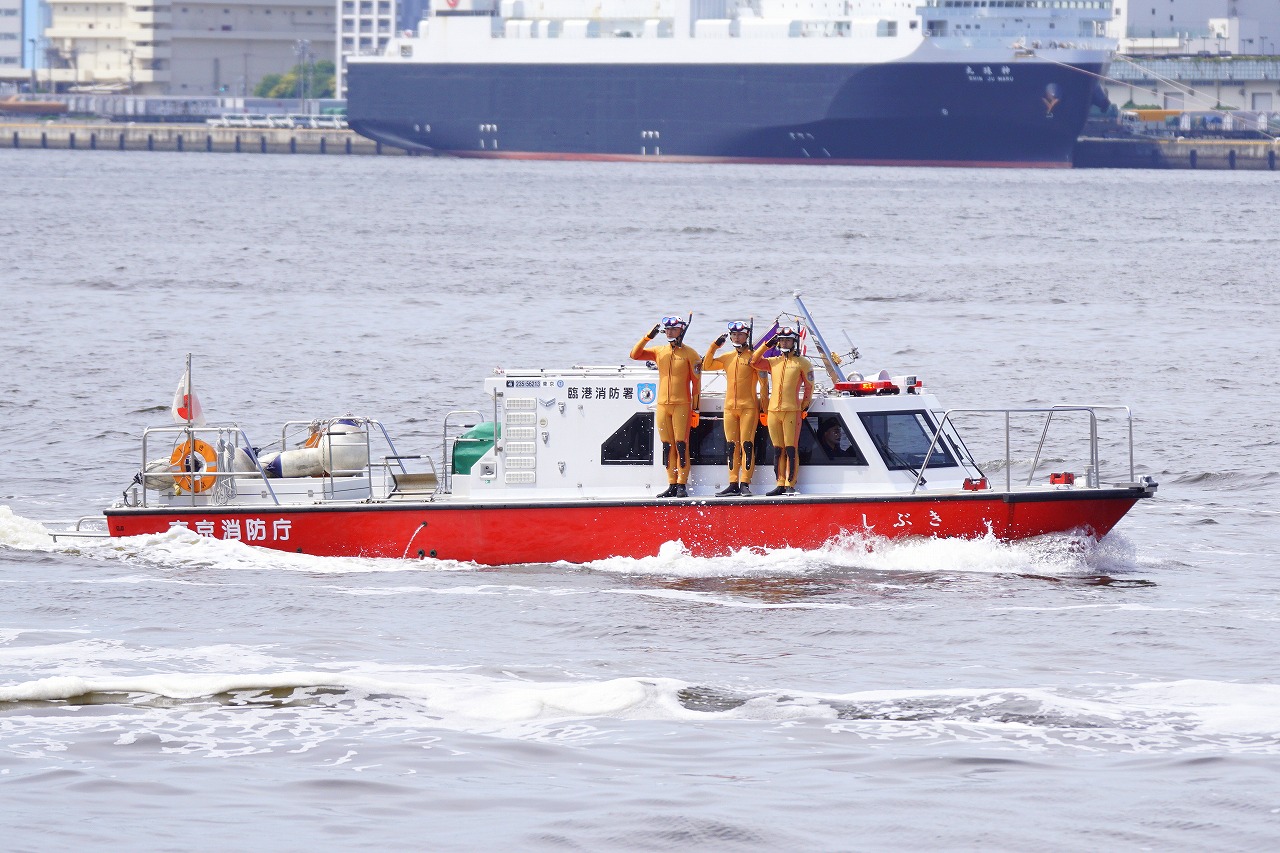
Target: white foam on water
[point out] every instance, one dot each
(1165, 717)
(23, 534)
(1057, 555)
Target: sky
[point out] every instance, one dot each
(31, 28)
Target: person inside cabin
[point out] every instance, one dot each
(746, 395)
(791, 376)
(679, 387)
(832, 438)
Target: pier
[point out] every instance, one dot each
(1142, 153)
(1091, 153)
(188, 137)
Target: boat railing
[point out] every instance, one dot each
(225, 439)
(367, 425)
(447, 446)
(79, 531)
(1093, 476)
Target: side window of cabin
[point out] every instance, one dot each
(903, 439)
(708, 446)
(706, 441)
(631, 444)
(825, 440)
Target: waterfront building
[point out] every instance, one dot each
(1197, 27)
(364, 28)
(11, 44)
(1196, 83)
(181, 47)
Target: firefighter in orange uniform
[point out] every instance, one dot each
(746, 394)
(679, 386)
(792, 392)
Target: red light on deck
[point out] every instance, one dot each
(1064, 479)
(978, 485)
(857, 389)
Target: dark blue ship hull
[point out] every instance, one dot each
(906, 113)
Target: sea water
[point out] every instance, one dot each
(171, 692)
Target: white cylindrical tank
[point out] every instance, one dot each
(344, 449)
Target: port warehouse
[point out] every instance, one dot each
(1195, 83)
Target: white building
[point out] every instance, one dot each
(180, 47)
(1196, 83)
(1198, 27)
(10, 35)
(365, 26)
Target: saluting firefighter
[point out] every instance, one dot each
(746, 395)
(679, 387)
(792, 392)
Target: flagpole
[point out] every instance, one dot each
(190, 462)
(187, 402)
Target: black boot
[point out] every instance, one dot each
(681, 491)
(744, 489)
(773, 493)
(669, 493)
(731, 489)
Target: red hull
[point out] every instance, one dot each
(499, 534)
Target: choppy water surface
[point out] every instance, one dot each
(173, 693)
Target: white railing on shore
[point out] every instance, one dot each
(280, 120)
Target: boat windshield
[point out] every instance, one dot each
(903, 439)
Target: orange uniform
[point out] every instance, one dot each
(746, 394)
(679, 386)
(792, 381)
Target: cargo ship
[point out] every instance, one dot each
(860, 82)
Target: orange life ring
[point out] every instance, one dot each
(197, 458)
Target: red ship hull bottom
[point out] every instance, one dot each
(579, 532)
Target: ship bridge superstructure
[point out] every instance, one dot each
(1032, 24)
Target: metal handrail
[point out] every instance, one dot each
(1093, 428)
(446, 456)
(1049, 412)
(230, 436)
(222, 432)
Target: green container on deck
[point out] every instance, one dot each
(473, 444)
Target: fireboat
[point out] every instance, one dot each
(560, 464)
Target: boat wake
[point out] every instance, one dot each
(207, 712)
(1054, 556)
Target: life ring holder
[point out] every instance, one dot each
(200, 460)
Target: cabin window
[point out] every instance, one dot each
(631, 444)
(707, 444)
(903, 439)
(825, 440)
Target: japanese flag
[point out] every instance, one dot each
(186, 405)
